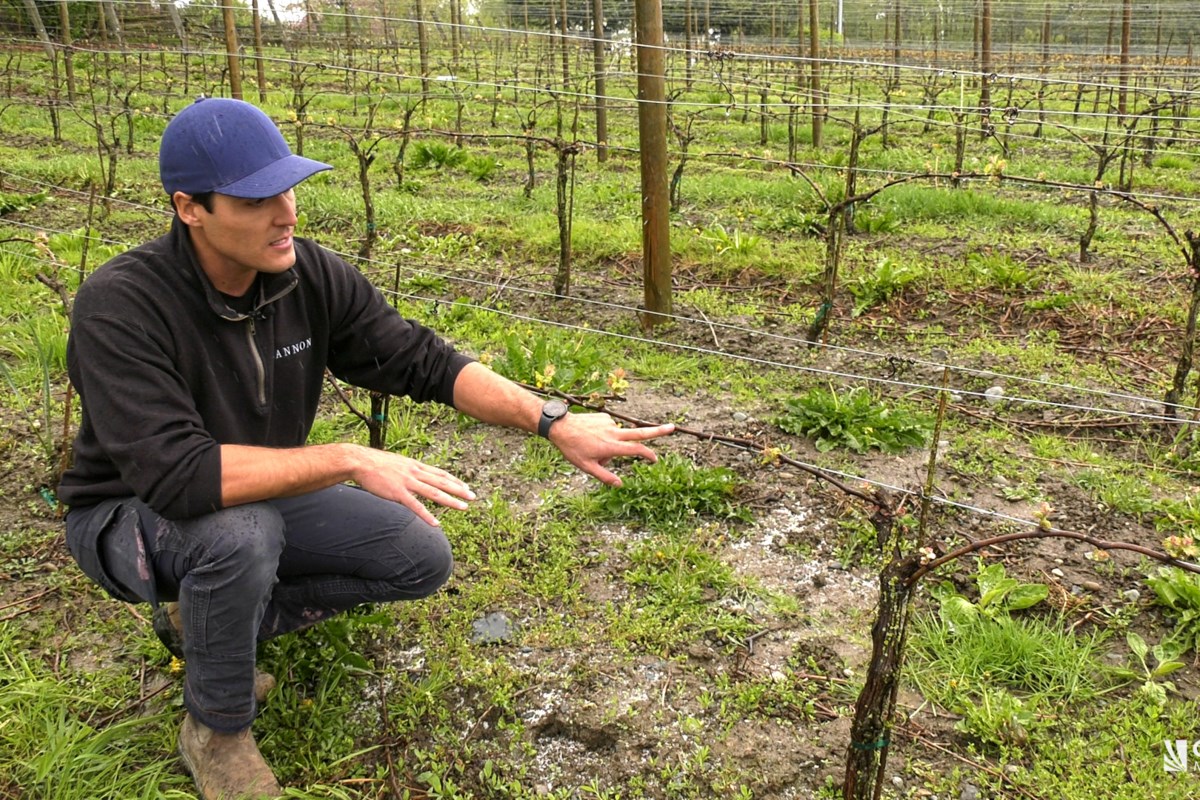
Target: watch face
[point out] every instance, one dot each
(552, 411)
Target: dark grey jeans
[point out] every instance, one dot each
(253, 572)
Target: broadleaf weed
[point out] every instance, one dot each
(854, 420)
(887, 280)
(1179, 591)
(670, 493)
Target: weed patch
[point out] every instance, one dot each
(1179, 592)
(668, 494)
(854, 420)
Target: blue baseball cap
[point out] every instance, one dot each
(229, 146)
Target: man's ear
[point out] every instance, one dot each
(187, 208)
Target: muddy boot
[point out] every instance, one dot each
(225, 766)
(169, 627)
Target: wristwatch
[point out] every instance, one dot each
(552, 412)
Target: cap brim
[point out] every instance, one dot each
(275, 178)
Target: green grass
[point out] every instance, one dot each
(982, 208)
(1005, 677)
(69, 736)
(1024, 653)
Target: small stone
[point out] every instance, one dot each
(1076, 591)
(1056, 572)
(994, 394)
(740, 416)
(778, 676)
(1131, 595)
(542, 789)
(1091, 586)
(1012, 769)
(495, 628)
(955, 397)
(969, 792)
(897, 781)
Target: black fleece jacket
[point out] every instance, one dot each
(167, 371)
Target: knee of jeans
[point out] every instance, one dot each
(250, 536)
(429, 564)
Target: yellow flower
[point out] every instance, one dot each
(542, 379)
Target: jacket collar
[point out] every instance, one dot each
(271, 287)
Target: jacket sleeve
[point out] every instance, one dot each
(373, 346)
(142, 416)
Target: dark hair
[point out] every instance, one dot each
(205, 199)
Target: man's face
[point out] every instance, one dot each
(241, 237)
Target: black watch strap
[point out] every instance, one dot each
(552, 412)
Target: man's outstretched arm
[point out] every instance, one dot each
(589, 441)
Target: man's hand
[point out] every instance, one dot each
(589, 441)
(592, 441)
(250, 474)
(403, 480)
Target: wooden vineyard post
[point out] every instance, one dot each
(259, 67)
(231, 52)
(598, 59)
(35, 18)
(1126, 26)
(814, 48)
(985, 68)
(64, 33)
(652, 140)
(422, 47)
